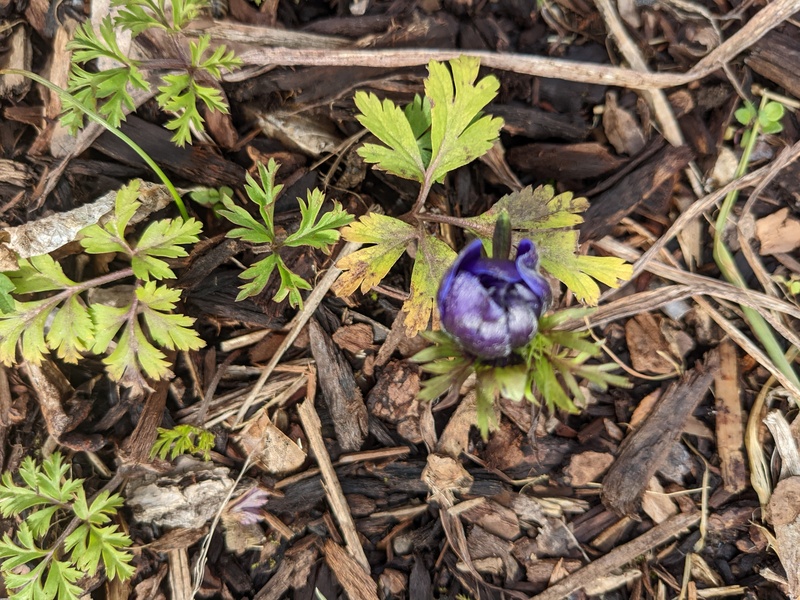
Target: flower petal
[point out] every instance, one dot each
(527, 262)
(466, 258)
(471, 316)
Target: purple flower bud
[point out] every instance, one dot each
(492, 306)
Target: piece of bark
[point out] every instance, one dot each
(293, 571)
(192, 163)
(17, 54)
(647, 345)
(180, 575)
(15, 173)
(351, 576)
(538, 124)
(586, 467)
(643, 451)
(619, 556)
(491, 516)
(621, 128)
(649, 184)
(339, 388)
(729, 422)
(778, 233)
(136, 448)
(775, 56)
(563, 161)
(393, 399)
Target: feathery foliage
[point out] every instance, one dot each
(317, 230)
(182, 439)
(108, 90)
(132, 332)
(44, 561)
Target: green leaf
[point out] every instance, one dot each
(772, 112)
(548, 220)
(163, 239)
(368, 266)
(6, 299)
(172, 331)
(291, 284)
(746, 114)
(433, 258)
(389, 124)
(264, 196)
(459, 134)
(110, 237)
(72, 331)
(182, 439)
(39, 274)
(315, 230)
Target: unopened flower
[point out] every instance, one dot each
(491, 306)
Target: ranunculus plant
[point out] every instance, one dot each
(493, 324)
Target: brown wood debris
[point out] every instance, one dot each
(644, 450)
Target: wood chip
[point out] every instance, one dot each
(643, 451)
(620, 556)
(778, 233)
(339, 388)
(730, 420)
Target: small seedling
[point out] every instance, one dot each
(108, 91)
(182, 439)
(316, 230)
(45, 559)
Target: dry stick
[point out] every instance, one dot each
(656, 98)
(770, 16)
(333, 490)
(299, 321)
(620, 556)
(703, 204)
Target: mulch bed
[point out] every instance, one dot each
(370, 493)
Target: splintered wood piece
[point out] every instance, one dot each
(333, 490)
(773, 56)
(620, 556)
(648, 347)
(730, 428)
(340, 390)
(649, 184)
(778, 233)
(643, 451)
(180, 575)
(193, 163)
(357, 584)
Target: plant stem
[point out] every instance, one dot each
(727, 266)
(69, 98)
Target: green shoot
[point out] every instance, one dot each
(107, 91)
(138, 328)
(182, 439)
(765, 119)
(36, 566)
(316, 229)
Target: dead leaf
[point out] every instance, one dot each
(272, 449)
(778, 233)
(621, 127)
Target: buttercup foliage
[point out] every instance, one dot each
(38, 565)
(316, 229)
(182, 439)
(108, 90)
(139, 325)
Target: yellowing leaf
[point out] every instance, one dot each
(368, 266)
(432, 260)
(549, 220)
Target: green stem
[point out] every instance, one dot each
(727, 266)
(69, 98)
